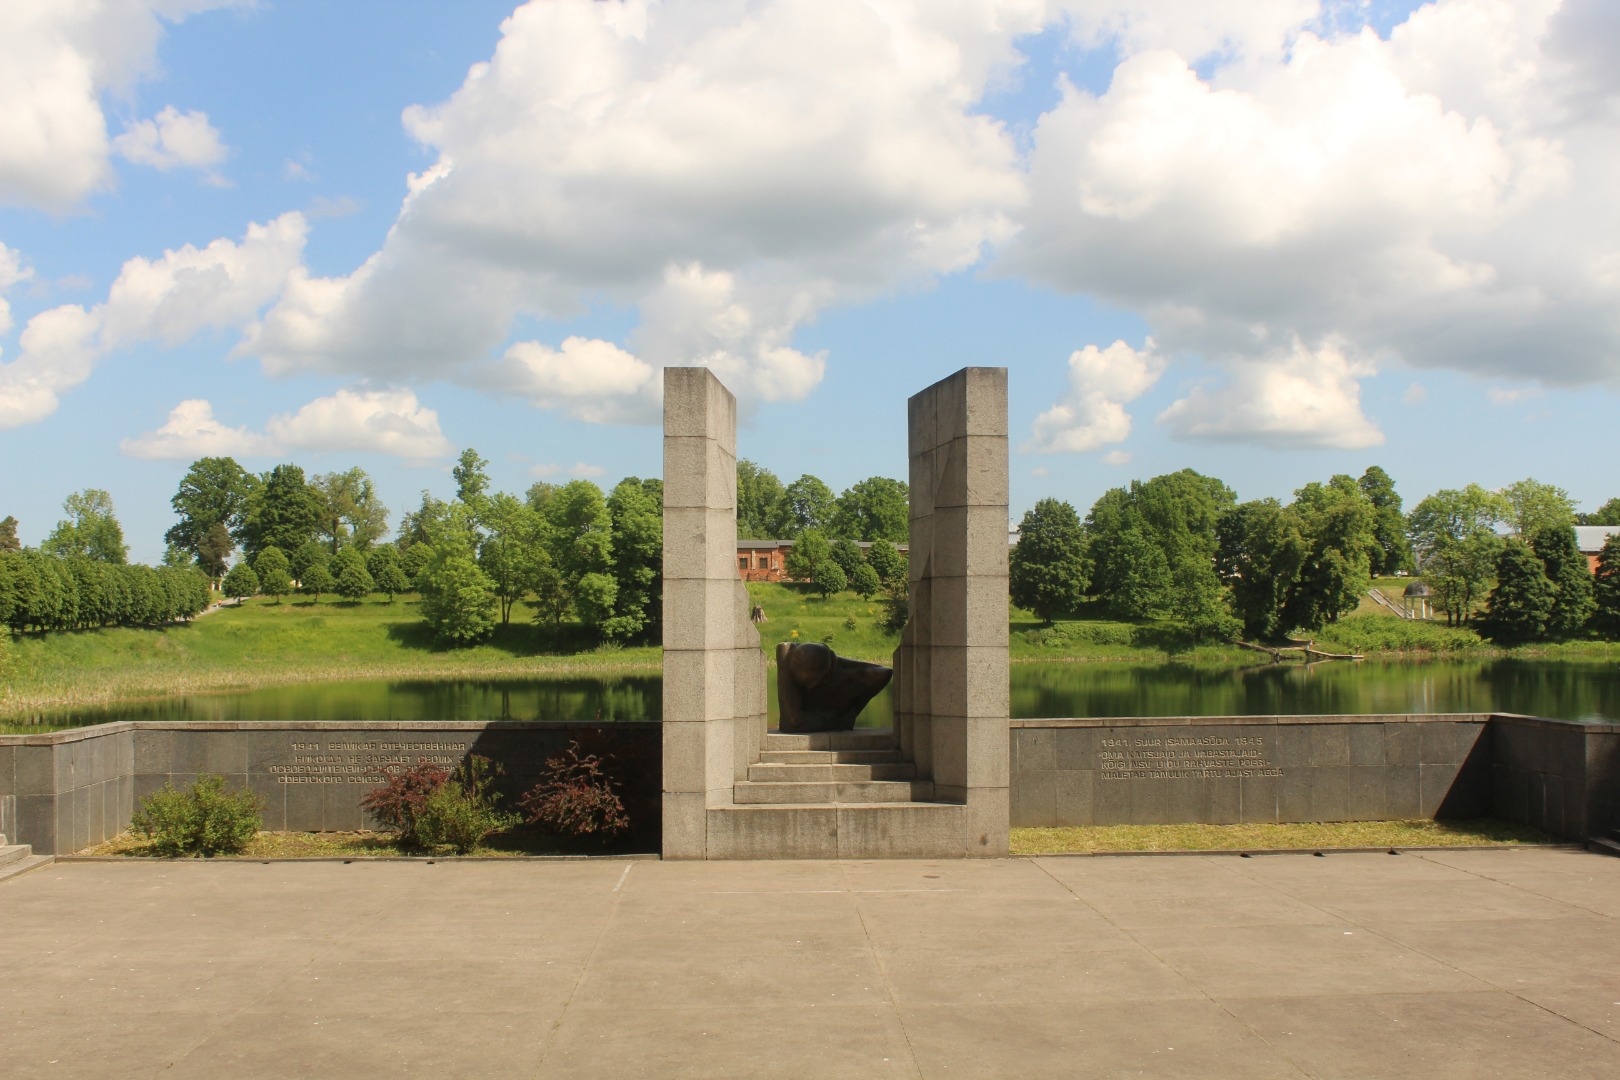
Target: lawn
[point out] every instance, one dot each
(1298, 836)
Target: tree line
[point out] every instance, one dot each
(574, 552)
(1504, 561)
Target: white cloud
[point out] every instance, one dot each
(172, 139)
(57, 59)
(543, 471)
(1302, 398)
(1040, 471)
(1499, 395)
(58, 349)
(1117, 457)
(583, 470)
(376, 421)
(1092, 414)
(12, 271)
(191, 432)
(1441, 199)
(592, 380)
(729, 169)
(224, 284)
(1416, 394)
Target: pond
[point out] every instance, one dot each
(1568, 690)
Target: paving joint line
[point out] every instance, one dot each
(548, 1043)
(882, 969)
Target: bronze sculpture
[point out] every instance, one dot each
(818, 690)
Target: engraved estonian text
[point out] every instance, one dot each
(1184, 757)
(346, 761)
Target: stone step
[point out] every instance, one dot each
(1603, 845)
(865, 739)
(925, 830)
(830, 774)
(829, 757)
(17, 859)
(750, 793)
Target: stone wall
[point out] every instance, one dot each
(1557, 775)
(951, 697)
(77, 788)
(714, 672)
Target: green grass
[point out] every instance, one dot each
(346, 845)
(1310, 836)
(263, 643)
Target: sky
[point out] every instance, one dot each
(1270, 240)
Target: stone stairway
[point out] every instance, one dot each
(19, 859)
(844, 794)
(1605, 845)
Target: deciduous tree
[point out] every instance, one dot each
(214, 491)
(807, 503)
(1566, 568)
(1393, 552)
(240, 582)
(759, 495)
(1456, 545)
(351, 513)
(636, 514)
(876, 508)
(1606, 590)
(1047, 567)
(91, 529)
(1522, 602)
(274, 573)
(283, 511)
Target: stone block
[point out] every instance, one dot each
(1330, 745)
(920, 479)
(1294, 746)
(36, 823)
(1071, 798)
(1187, 799)
(985, 395)
(920, 423)
(1033, 750)
(900, 832)
(920, 560)
(1330, 792)
(987, 752)
(35, 770)
(685, 755)
(950, 407)
(698, 615)
(1403, 792)
(776, 832)
(1294, 801)
(341, 807)
(1366, 744)
(1150, 801)
(304, 806)
(1401, 743)
(8, 769)
(1076, 748)
(1111, 801)
(987, 823)
(1032, 799)
(1437, 744)
(699, 473)
(1223, 801)
(719, 759)
(971, 471)
(154, 750)
(971, 541)
(1364, 798)
(1434, 785)
(685, 825)
(697, 403)
(964, 606)
(949, 757)
(969, 681)
(700, 543)
(1261, 799)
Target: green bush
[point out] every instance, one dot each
(462, 811)
(1389, 633)
(202, 819)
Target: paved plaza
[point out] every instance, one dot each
(1462, 964)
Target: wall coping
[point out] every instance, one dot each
(118, 727)
(1358, 718)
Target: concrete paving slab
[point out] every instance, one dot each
(1433, 1036)
(1201, 966)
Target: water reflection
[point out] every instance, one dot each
(1570, 690)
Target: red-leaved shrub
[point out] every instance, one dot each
(576, 797)
(398, 803)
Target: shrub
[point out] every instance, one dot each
(202, 819)
(397, 804)
(576, 797)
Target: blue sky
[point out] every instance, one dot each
(1271, 240)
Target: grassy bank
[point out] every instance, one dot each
(1309, 836)
(262, 643)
